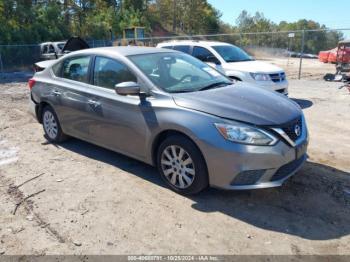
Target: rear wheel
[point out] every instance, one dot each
(51, 125)
(181, 165)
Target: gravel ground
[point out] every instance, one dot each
(92, 201)
(312, 69)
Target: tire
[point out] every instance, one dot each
(186, 173)
(51, 126)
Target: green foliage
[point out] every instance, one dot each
(187, 16)
(34, 21)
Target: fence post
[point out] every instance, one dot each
(1, 65)
(302, 52)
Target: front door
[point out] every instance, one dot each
(119, 122)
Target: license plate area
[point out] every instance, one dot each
(300, 150)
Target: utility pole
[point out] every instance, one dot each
(1, 65)
(174, 16)
(191, 17)
(66, 8)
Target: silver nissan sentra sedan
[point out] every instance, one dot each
(170, 110)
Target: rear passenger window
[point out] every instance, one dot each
(109, 72)
(56, 69)
(182, 48)
(76, 68)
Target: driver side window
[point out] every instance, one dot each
(109, 72)
(204, 55)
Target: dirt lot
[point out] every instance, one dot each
(99, 202)
(312, 69)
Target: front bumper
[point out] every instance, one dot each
(268, 178)
(240, 167)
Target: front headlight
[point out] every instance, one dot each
(245, 134)
(260, 77)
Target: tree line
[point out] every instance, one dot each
(35, 21)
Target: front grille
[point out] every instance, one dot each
(287, 169)
(278, 77)
(249, 177)
(290, 129)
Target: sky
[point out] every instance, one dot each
(332, 13)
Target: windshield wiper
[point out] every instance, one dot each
(214, 85)
(181, 91)
(236, 61)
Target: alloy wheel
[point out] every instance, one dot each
(50, 124)
(178, 166)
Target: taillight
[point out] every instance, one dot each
(31, 83)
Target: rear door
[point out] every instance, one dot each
(71, 94)
(48, 52)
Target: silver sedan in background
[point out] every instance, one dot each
(170, 110)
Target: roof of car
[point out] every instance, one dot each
(48, 43)
(193, 42)
(124, 50)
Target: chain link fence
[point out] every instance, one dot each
(295, 51)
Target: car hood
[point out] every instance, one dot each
(253, 67)
(74, 44)
(242, 102)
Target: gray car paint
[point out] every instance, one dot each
(131, 125)
(242, 102)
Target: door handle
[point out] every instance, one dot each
(93, 103)
(56, 93)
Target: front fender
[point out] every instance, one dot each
(191, 123)
(238, 74)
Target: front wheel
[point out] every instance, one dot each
(181, 165)
(51, 125)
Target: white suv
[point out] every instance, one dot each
(234, 62)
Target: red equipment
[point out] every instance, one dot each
(343, 57)
(339, 55)
(323, 56)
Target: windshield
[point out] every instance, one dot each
(232, 53)
(177, 72)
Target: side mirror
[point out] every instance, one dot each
(128, 88)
